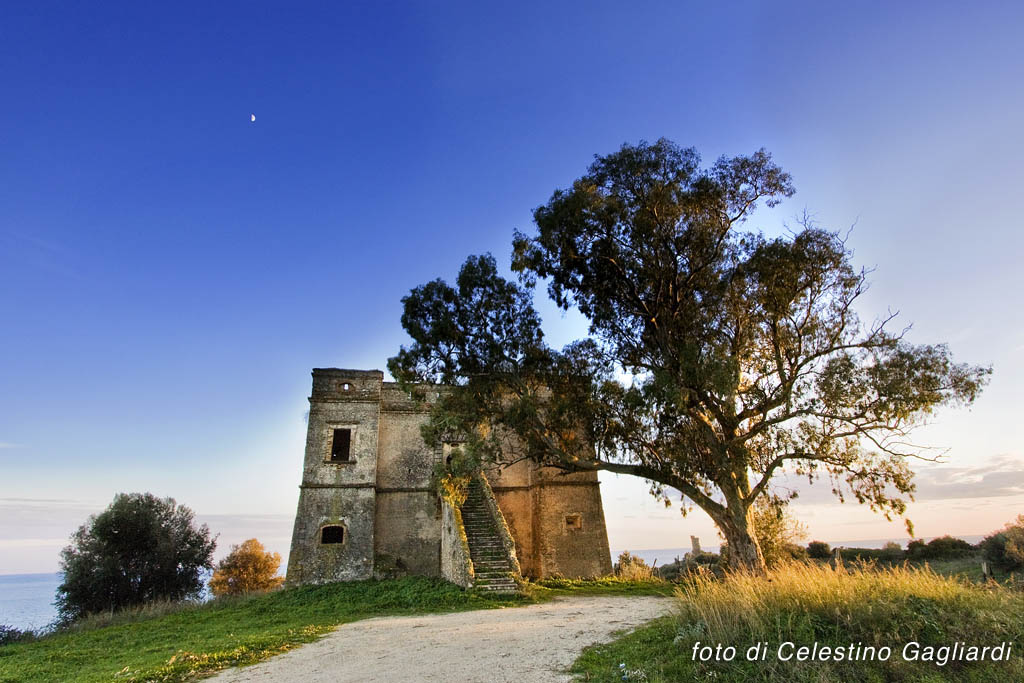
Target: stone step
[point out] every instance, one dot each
(510, 587)
(491, 565)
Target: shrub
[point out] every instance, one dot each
(248, 568)
(692, 562)
(819, 550)
(141, 548)
(792, 551)
(949, 548)
(9, 634)
(941, 548)
(892, 552)
(632, 568)
(1005, 549)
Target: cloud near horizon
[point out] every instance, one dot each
(1001, 476)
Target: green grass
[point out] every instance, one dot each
(608, 585)
(175, 642)
(808, 603)
(188, 641)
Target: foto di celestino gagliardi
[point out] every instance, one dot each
(912, 651)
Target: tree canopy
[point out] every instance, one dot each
(141, 548)
(248, 568)
(716, 356)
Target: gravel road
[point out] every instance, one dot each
(534, 643)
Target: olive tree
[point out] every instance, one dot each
(717, 357)
(140, 549)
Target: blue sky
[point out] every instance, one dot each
(170, 271)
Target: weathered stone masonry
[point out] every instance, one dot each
(366, 506)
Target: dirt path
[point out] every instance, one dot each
(535, 643)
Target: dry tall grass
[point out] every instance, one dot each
(864, 603)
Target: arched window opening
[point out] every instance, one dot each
(332, 534)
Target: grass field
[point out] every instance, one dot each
(185, 641)
(814, 603)
(175, 642)
(802, 603)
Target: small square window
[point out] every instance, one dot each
(332, 534)
(341, 445)
(573, 522)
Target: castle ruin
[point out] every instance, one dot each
(367, 507)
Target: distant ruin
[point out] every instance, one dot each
(367, 507)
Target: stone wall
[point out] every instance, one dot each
(407, 529)
(338, 493)
(455, 563)
(536, 503)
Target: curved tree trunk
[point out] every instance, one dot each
(738, 528)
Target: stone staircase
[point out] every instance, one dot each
(494, 572)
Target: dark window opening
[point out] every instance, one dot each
(332, 534)
(573, 522)
(341, 445)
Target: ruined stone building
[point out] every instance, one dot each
(367, 507)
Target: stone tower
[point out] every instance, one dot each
(367, 507)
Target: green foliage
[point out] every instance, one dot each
(630, 567)
(603, 585)
(699, 562)
(819, 550)
(10, 634)
(248, 568)
(805, 604)
(742, 353)
(887, 555)
(140, 549)
(941, 548)
(1005, 549)
(181, 644)
(451, 477)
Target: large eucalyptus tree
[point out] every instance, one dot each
(716, 357)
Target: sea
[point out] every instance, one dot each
(26, 600)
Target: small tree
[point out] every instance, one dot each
(632, 567)
(141, 548)
(941, 548)
(248, 568)
(819, 550)
(1005, 549)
